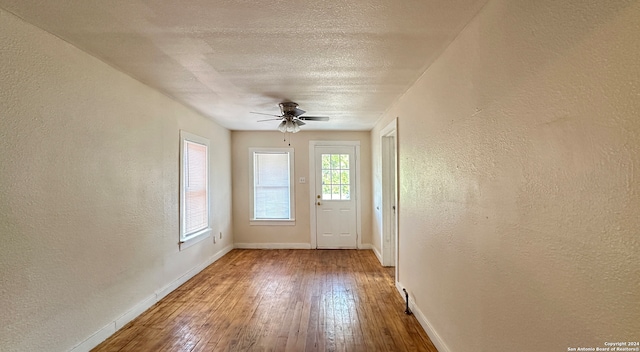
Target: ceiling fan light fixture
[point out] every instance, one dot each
(288, 126)
(293, 127)
(282, 127)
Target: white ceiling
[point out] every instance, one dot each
(348, 59)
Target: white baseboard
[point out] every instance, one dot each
(161, 293)
(377, 252)
(102, 334)
(95, 339)
(424, 322)
(135, 311)
(287, 246)
(273, 245)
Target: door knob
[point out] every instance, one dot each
(318, 203)
(318, 196)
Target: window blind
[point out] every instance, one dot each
(271, 186)
(195, 186)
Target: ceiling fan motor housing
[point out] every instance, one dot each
(290, 109)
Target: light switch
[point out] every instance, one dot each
(302, 180)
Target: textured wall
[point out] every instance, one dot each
(519, 191)
(300, 233)
(88, 191)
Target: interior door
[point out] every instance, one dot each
(335, 197)
(389, 214)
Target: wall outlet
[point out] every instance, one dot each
(302, 180)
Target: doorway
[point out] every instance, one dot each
(389, 240)
(334, 188)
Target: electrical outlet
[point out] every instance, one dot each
(302, 180)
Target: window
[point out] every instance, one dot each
(335, 177)
(194, 189)
(272, 197)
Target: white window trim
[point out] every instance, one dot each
(292, 212)
(188, 240)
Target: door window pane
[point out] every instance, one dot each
(335, 177)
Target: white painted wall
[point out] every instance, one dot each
(519, 191)
(89, 193)
(297, 236)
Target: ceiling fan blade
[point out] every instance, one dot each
(269, 120)
(261, 113)
(314, 118)
(297, 112)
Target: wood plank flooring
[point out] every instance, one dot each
(279, 300)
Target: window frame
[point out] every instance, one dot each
(292, 208)
(189, 239)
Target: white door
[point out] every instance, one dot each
(335, 197)
(389, 214)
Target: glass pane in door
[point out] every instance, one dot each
(335, 177)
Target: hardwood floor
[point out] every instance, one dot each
(279, 300)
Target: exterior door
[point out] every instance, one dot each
(335, 197)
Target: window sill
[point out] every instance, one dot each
(195, 238)
(274, 222)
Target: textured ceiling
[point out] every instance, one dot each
(345, 59)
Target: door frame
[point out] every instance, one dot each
(312, 190)
(389, 196)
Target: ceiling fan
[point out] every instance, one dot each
(291, 117)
